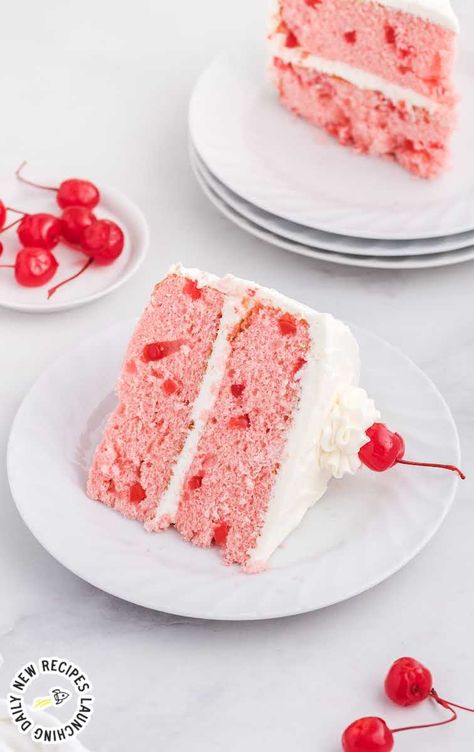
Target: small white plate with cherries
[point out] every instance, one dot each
(65, 243)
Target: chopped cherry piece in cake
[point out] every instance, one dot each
(287, 324)
(237, 389)
(160, 350)
(350, 37)
(195, 482)
(170, 386)
(291, 40)
(137, 494)
(221, 532)
(313, 3)
(298, 365)
(190, 288)
(239, 421)
(390, 35)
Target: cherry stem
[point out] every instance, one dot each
(30, 182)
(440, 701)
(459, 707)
(52, 290)
(17, 211)
(7, 266)
(453, 468)
(12, 224)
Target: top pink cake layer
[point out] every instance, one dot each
(165, 362)
(399, 47)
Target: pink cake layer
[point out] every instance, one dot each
(228, 486)
(401, 48)
(164, 366)
(366, 120)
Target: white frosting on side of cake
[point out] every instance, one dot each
(436, 11)
(329, 401)
(356, 76)
(344, 432)
(332, 367)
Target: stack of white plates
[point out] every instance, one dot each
(289, 184)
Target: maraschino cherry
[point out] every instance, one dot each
(409, 682)
(33, 267)
(74, 221)
(71, 192)
(386, 449)
(3, 214)
(39, 230)
(368, 735)
(103, 240)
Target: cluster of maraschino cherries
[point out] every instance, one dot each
(100, 240)
(407, 683)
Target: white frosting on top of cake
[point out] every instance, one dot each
(328, 401)
(437, 11)
(357, 76)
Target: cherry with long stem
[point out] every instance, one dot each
(52, 290)
(71, 192)
(384, 449)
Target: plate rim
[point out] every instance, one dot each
(400, 263)
(234, 204)
(124, 327)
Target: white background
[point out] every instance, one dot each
(102, 88)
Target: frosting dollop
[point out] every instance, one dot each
(343, 434)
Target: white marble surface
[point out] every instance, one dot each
(102, 88)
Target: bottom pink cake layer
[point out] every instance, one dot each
(229, 484)
(366, 120)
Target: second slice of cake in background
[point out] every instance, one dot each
(375, 74)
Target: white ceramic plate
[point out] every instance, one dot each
(326, 241)
(97, 281)
(370, 262)
(363, 530)
(285, 166)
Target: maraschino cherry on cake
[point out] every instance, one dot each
(237, 406)
(375, 74)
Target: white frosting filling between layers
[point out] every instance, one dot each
(232, 313)
(317, 447)
(356, 76)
